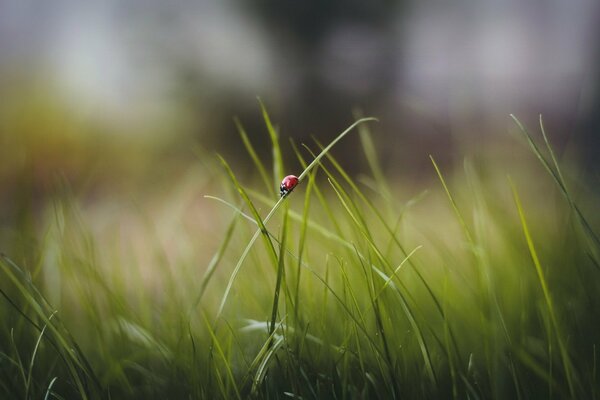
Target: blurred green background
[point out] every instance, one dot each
(122, 101)
(146, 78)
(123, 97)
(119, 101)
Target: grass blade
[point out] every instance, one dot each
(280, 273)
(274, 209)
(567, 365)
(277, 158)
(250, 149)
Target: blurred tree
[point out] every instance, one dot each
(334, 56)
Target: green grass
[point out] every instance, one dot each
(480, 288)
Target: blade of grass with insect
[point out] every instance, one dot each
(566, 360)
(349, 246)
(276, 206)
(265, 233)
(337, 238)
(387, 282)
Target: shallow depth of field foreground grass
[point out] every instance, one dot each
(485, 285)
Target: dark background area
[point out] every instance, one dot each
(103, 92)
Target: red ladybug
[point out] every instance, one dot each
(288, 184)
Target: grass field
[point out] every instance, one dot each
(480, 285)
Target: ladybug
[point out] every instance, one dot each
(288, 184)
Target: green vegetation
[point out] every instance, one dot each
(481, 287)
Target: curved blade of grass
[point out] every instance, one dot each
(19, 361)
(330, 145)
(257, 218)
(359, 324)
(405, 306)
(249, 218)
(70, 352)
(262, 368)
(457, 212)
(413, 322)
(264, 351)
(250, 149)
(392, 383)
(389, 280)
(354, 298)
(586, 225)
(49, 390)
(392, 234)
(303, 227)
(280, 273)
(276, 206)
(277, 158)
(549, 304)
(368, 147)
(33, 356)
(214, 262)
(226, 362)
(558, 178)
(262, 326)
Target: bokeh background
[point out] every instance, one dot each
(111, 117)
(117, 99)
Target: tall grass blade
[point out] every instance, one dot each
(49, 390)
(280, 273)
(567, 365)
(277, 157)
(255, 159)
(76, 363)
(217, 346)
(368, 146)
(214, 262)
(276, 206)
(264, 364)
(33, 355)
(556, 174)
(457, 212)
